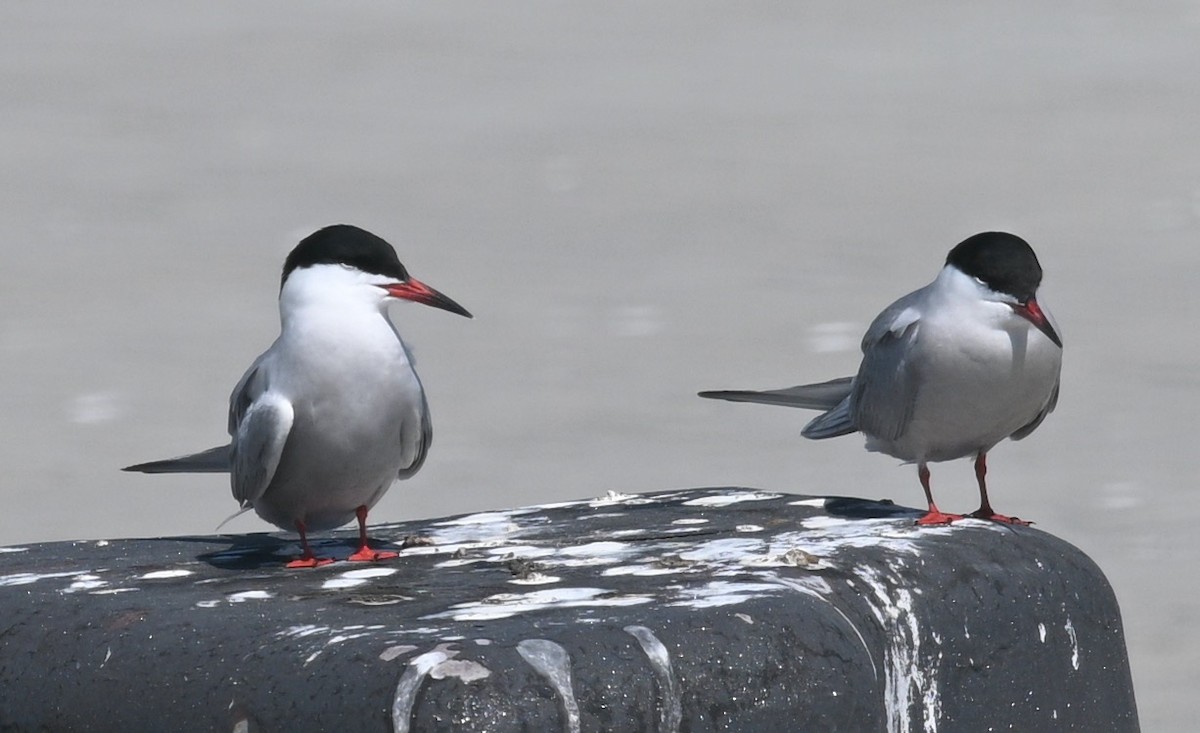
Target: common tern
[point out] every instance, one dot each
(948, 371)
(327, 418)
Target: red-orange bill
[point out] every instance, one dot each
(1032, 312)
(419, 292)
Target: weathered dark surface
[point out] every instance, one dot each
(700, 610)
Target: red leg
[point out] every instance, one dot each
(985, 510)
(308, 559)
(365, 553)
(933, 516)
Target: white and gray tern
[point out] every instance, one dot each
(948, 371)
(325, 420)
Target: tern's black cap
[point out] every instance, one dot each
(344, 244)
(1004, 262)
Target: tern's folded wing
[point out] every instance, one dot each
(258, 445)
(885, 389)
(1032, 425)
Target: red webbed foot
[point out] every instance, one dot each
(366, 554)
(992, 516)
(310, 562)
(935, 518)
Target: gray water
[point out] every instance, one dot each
(637, 201)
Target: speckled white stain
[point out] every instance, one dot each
(357, 577)
(627, 533)
(818, 503)
(592, 553)
(671, 710)
(302, 631)
(722, 593)
(730, 550)
(828, 536)
(643, 569)
(464, 670)
(165, 574)
(29, 578)
(85, 583)
(439, 664)
(536, 579)
(552, 662)
(616, 498)
(478, 530)
(826, 522)
(778, 556)
(410, 682)
(725, 498)
(496, 552)
(908, 683)
(504, 605)
(1070, 627)
(249, 595)
(397, 650)
(610, 498)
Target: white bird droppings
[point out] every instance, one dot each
(1070, 627)
(392, 652)
(410, 682)
(28, 578)
(248, 595)
(671, 714)
(552, 662)
(730, 497)
(460, 669)
(504, 605)
(536, 579)
(164, 574)
(356, 577)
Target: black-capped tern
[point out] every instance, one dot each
(327, 418)
(948, 371)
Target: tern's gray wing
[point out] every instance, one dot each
(1049, 408)
(258, 445)
(416, 438)
(885, 389)
(259, 422)
(252, 384)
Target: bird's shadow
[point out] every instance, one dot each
(262, 550)
(850, 507)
